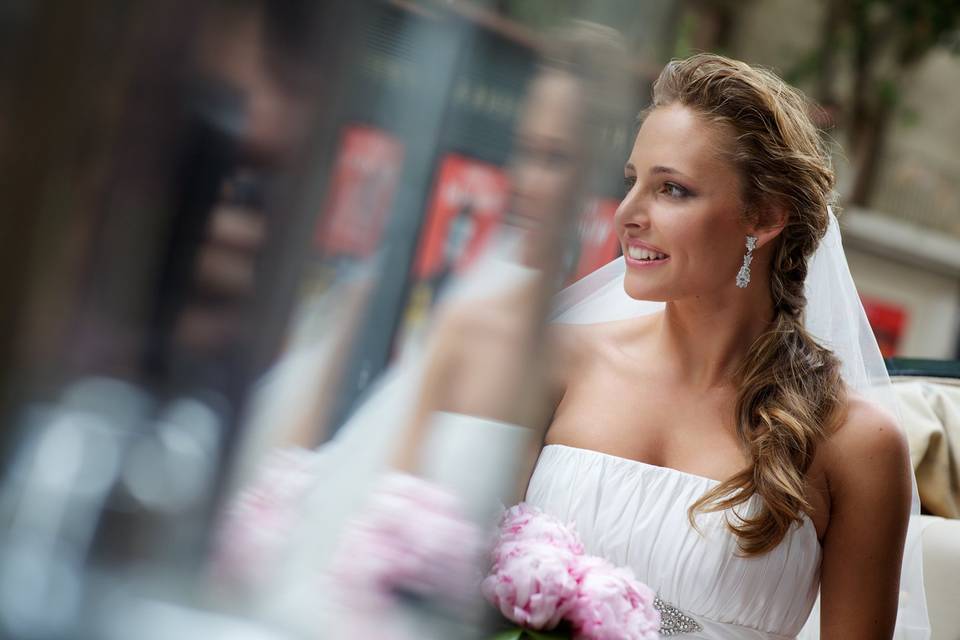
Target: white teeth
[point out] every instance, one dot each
(639, 253)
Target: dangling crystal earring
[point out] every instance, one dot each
(743, 276)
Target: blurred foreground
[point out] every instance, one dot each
(225, 221)
(232, 228)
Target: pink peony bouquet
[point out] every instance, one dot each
(542, 581)
(412, 545)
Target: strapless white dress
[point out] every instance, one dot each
(634, 514)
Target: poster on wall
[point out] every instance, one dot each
(888, 321)
(361, 190)
(598, 237)
(351, 221)
(468, 202)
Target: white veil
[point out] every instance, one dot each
(835, 316)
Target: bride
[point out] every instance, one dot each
(713, 445)
(724, 400)
(703, 426)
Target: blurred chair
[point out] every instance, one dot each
(941, 568)
(931, 416)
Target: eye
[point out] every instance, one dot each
(628, 182)
(674, 190)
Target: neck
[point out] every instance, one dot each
(707, 337)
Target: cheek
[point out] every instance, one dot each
(700, 244)
(686, 235)
(703, 254)
(708, 253)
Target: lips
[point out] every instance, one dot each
(643, 253)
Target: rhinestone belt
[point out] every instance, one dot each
(673, 621)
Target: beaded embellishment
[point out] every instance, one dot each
(673, 622)
(743, 276)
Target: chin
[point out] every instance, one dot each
(644, 291)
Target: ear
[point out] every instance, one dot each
(774, 220)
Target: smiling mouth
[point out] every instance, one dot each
(640, 254)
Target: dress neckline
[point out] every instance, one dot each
(639, 463)
(655, 468)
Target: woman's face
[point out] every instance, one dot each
(546, 157)
(680, 223)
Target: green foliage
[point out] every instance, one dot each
(880, 42)
(888, 92)
(911, 27)
(684, 43)
(924, 24)
(803, 69)
(563, 632)
(909, 117)
(557, 634)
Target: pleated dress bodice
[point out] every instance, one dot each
(634, 514)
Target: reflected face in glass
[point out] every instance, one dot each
(680, 224)
(547, 151)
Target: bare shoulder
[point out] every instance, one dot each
(577, 342)
(570, 340)
(597, 335)
(867, 451)
(867, 430)
(869, 476)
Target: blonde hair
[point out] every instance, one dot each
(789, 386)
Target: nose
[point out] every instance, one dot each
(632, 212)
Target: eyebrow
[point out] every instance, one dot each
(659, 169)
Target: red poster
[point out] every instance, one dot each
(361, 190)
(469, 200)
(888, 322)
(598, 237)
